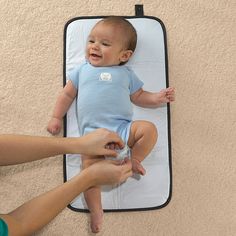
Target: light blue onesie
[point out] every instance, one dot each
(104, 97)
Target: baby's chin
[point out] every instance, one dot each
(99, 64)
(94, 63)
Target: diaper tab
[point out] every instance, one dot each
(122, 154)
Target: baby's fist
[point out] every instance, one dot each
(54, 126)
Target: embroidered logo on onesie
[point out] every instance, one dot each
(104, 76)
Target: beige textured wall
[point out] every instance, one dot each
(202, 56)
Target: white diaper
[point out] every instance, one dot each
(122, 154)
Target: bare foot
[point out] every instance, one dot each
(96, 221)
(137, 167)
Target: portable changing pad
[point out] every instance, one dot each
(149, 62)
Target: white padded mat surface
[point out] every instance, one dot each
(149, 63)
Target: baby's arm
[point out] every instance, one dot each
(153, 100)
(63, 103)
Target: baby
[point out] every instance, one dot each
(106, 89)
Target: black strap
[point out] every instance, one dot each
(139, 10)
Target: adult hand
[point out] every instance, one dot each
(109, 172)
(97, 143)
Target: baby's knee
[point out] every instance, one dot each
(151, 130)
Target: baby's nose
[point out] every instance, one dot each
(95, 46)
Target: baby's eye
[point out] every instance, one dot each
(106, 44)
(91, 41)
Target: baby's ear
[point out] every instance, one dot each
(125, 56)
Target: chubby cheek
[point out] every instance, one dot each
(87, 55)
(87, 51)
(107, 55)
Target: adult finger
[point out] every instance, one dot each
(110, 153)
(116, 140)
(110, 146)
(127, 165)
(126, 176)
(127, 171)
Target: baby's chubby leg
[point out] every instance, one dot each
(93, 198)
(142, 138)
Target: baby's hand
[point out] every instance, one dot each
(54, 126)
(166, 95)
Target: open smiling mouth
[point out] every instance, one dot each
(95, 55)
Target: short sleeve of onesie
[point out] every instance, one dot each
(73, 75)
(135, 82)
(3, 228)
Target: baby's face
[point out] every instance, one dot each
(105, 46)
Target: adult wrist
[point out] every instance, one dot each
(88, 178)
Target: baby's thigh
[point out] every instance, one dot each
(141, 129)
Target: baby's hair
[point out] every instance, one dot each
(129, 31)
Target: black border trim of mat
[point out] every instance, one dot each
(168, 112)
